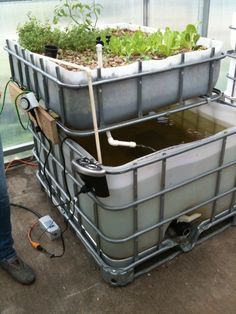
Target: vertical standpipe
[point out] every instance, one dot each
(92, 101)
(99, 55)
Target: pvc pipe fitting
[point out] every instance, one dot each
(114, 142)
(99, 55)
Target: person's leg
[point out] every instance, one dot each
(6, 241)
(9, 260)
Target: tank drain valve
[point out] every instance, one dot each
(189, 218)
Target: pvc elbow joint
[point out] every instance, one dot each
(114, 142)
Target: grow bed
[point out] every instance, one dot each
(121, 93)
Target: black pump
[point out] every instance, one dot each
(93, 175)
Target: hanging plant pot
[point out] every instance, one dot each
(50, 51)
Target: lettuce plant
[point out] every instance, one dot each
(161, 44)
(188, 38)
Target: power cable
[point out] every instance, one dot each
(27, 208)
(4, 96)
(36, 244)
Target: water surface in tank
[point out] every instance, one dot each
(152, 135)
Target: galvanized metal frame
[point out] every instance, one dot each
(203, 16)
(146, 12)
(112, 272)
(232, 54)
(16, 149)
(118, 272)
(100, 82)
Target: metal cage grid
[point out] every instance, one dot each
(117, 272)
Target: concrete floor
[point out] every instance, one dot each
(201, 281)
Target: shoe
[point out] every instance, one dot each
(19, 270)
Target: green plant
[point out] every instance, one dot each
(77, 38)
(83, 14)
(189, 37)
(169, 43)
(160, 44)
(129, 45)
(34, 35)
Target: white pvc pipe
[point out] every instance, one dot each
(114, 142)
(92, 101)
(99, 55)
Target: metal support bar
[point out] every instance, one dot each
(135, 212)
(26, 69)
(96, 222)
(146, 12)
(234, 220)
(35, 77)
(162, 199)
(181, 80)
(19, 65)
(139, 90)
(203, 17)
(45, 85)
(145, 118)
(211, 72)
(60, 96)
(18, 149)
(218, 177)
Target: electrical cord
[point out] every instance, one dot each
(4, 96)
(63, 173)
(39, 247)
(84, 189)
(26, 208)
(36, 244)
(17, 162)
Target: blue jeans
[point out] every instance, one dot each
(6, 240)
